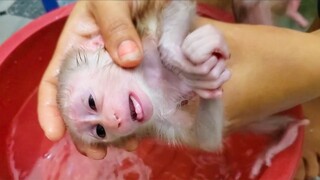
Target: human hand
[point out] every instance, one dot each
(111, 19)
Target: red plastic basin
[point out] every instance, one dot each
(23, 59)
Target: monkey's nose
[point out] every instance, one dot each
(113, 123)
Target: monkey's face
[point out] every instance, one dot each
(100, 101)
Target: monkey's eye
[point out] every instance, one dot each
(100, 131)
(91, 103)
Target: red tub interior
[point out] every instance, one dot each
(23, 59)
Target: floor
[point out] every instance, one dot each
(14, 14)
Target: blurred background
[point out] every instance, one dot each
(14, 14)
(308, 8)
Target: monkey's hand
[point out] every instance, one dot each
(205, 70)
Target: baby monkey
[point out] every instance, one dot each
(103, 103)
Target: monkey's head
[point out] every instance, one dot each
(102, 102)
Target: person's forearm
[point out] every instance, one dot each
(273, 69)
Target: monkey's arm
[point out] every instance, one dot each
(199, 61)
(201, 47)
(273, 69)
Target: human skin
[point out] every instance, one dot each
(82, 24)
(298, 89)
(267, 80)
(268, 77)
(309, 164)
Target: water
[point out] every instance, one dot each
(32, 156)
(64, 162)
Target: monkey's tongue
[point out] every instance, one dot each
(135, 109)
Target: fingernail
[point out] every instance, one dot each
(129, 52)
(52, 135)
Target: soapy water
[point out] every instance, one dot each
(64, 162)
(151, 161)
(32, 156)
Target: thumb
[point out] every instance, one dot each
(119, 34)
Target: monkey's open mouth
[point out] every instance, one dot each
(135, 109)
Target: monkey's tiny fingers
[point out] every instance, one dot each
(209, 94)
(204, 43)
(206, 82)
(201, 70)
(207, 87)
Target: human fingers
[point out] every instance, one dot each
(49, 116)
(120, 36)
(204, 42)
(312, 165)
(78, 27)
(199, 71)
(300, 174)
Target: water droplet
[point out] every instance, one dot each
(47, 156)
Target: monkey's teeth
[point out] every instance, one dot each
(137, 108)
